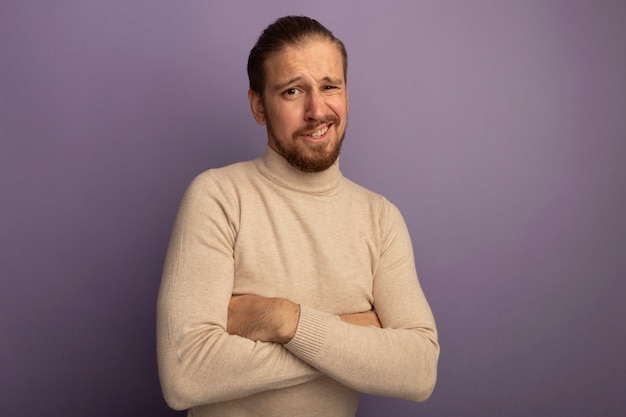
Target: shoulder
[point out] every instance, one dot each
(219, 184)
(363, 195)
(385, 213)
(223, 180)
(226, 174)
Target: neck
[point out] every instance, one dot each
(278, 170)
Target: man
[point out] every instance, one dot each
(287, 288)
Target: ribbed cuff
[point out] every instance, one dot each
(310, 334)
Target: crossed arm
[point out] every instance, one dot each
(276, 319)
(197, 317)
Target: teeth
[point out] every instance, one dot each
(320, 132)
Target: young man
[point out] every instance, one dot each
(287, 288)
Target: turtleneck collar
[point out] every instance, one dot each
(275, 168)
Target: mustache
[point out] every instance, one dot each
(313, 126)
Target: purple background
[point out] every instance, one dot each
(497, 127)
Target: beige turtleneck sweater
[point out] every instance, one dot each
(262, 227)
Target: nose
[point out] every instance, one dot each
(316, 107)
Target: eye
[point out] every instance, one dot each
(291, 91)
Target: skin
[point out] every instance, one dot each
(305, 92)
(276, 319)
(304, 107)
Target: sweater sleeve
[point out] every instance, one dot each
(199, 362)
(399, 360)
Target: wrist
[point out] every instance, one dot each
(287, 320)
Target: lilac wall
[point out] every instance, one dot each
(498, 127)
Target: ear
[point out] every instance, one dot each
(256, 105)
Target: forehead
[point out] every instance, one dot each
(314, 59)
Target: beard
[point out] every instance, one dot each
(309, 158)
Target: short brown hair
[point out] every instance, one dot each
(288, 30)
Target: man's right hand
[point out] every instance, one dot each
(367, 318)
(263, 319)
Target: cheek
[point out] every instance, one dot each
(289, 119)
(339, 107)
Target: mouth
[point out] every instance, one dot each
(319, 134)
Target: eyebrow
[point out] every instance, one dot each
(281, 86)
